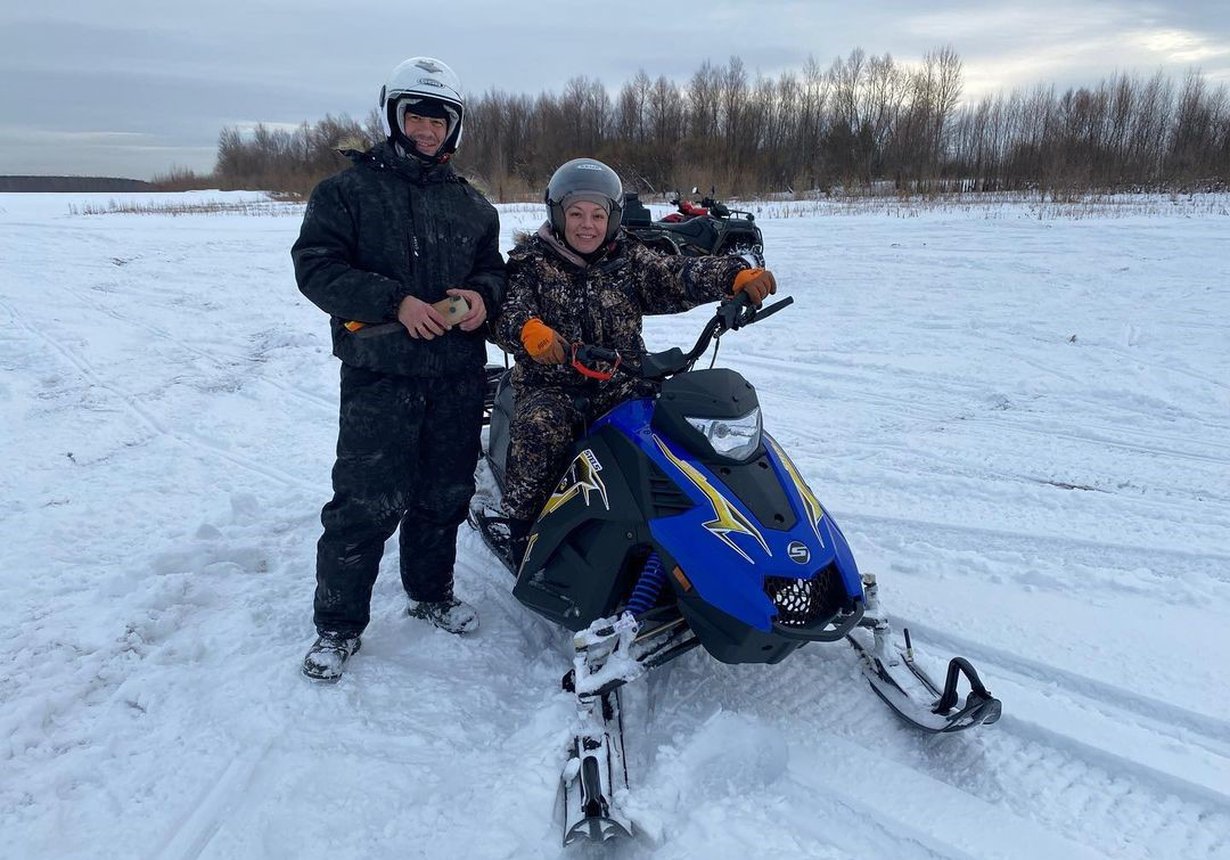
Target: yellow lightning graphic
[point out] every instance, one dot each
(585, 467)
(529, 548)
(726, 518)
(815, 513)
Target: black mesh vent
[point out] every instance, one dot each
(804, 602)
(666, 497)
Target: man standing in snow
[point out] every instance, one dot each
(381, 243)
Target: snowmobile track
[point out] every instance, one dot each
(1210, 732)
(1035, 778)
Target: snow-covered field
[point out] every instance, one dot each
(1020, 416)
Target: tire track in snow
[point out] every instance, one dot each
(838, 767)
(1172, 750)
(223, 363)
(1027, 780)
(151, 421)
(1121, 437)
(1164, 718)
(957, 397)
(1117, 555)
(191, 834)
(923, 812)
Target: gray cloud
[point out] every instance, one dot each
(131, 87)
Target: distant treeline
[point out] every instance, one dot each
(71, 183)
(861, 122)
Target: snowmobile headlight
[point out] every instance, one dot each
(736, 438)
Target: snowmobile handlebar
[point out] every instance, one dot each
(582, 353)
(732, 314)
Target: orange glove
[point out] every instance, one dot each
(757, 283)
(542, 342)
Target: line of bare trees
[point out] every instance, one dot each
(291, 160)
(860, 122)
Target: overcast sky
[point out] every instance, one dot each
(136, 87)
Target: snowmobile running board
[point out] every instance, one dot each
(942, 715)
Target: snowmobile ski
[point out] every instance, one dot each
(596, 770)
(943, 714)
(905, 687)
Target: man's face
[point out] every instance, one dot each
(585, 226)
(427, 132)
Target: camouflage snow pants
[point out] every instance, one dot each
(541, 436)
(406, 452)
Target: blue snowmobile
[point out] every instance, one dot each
(681, 522)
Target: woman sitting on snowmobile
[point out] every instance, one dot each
(581, 279)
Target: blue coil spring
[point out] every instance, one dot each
(648, 586)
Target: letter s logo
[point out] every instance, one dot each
(798, 552)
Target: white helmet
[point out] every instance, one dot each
(420, 78)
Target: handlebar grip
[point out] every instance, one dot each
(582, 353)
(774, 308)
(589, 352)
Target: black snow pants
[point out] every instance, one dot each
(406, 452)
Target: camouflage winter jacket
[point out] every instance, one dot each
(601, 302)
(391, 227)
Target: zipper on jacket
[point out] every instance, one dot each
(411, 227)
(587, 333)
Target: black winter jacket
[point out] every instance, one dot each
(390, 227)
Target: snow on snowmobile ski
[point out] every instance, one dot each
(681, 522)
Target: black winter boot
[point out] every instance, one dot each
(327, 657)
(452, 615)
(507, 537)
(518, 540)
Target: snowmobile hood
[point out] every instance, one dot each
(724, 550)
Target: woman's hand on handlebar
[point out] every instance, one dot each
(756, 284)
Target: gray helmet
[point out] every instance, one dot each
(585, 179)
(429, 86)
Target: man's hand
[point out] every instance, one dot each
(542, 342)
(757, 283)
(421, 319)
(478, 311)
